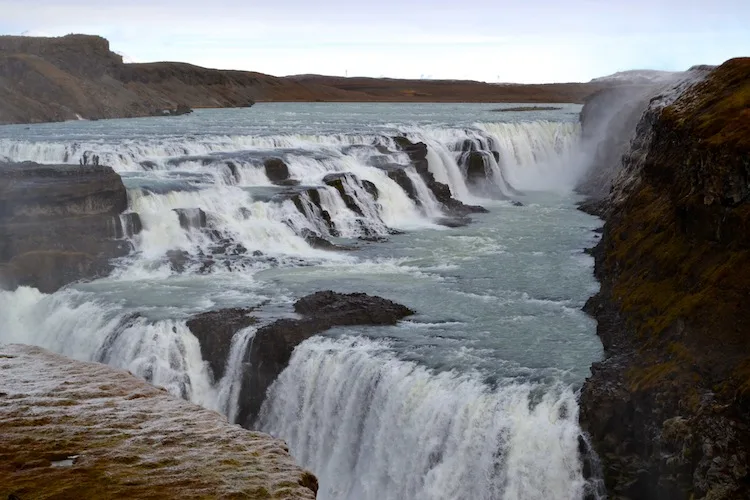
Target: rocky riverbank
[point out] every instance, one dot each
(668, 409)
(78, 76)
(85, 430)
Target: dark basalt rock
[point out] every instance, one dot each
(398, 175)
(59, 223)
(475, 166)
(317, 241)
(178, 260)
(454, 221)
(214, 330)
(192, 218)
(337, 181)
(273, 344)
(276, 170)
(418, 154)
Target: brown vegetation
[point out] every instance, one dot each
(85, 430)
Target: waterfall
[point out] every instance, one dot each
(537, 156)
(427, 199)
(212, 230)
(372, 426)
(74, 324)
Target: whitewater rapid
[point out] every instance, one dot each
(415, 412)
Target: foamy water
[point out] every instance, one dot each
(474, 397)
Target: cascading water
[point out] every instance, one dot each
(464, 401)
(392, 429)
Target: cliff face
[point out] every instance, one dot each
(54, 79)
(668, 410)
(58, 223)
(97, 432)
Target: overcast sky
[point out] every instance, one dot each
(492, 40)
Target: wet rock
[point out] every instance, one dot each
(373, 239)
(214, 331)
(454, 221)
(418, 154)
(273, 344)
(234, 173)
(517, 204)
(317, 241)
(288, 182)
(59, 223)
(398, 175)
(337, 181)
(131, 225)
(476, 169)
(276, 170)
(178, 260)
(191, 218)
(371, 188)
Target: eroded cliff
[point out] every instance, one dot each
(668, 409)
(59, 223)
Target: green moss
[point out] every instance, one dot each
(718, 109)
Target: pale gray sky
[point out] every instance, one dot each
(501, 40)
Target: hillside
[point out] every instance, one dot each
(55, 79)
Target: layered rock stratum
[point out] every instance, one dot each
(78, 76)
(668, 409)
(84, 430)
(59, 223)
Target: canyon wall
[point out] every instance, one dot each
(668, 409)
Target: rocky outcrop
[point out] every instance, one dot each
(214, 331)
(272, 346)
(417, 153)
(668, 409)
(59, 223)
(276, 170)
(98, 432)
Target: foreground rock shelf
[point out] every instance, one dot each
(84, 430)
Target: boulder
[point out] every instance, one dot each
(214, 330)
(59, 223)
(276, 170)
(273, 344)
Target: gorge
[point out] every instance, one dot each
(450, 240)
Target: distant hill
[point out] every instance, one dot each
(54, 79)
(636, 76)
